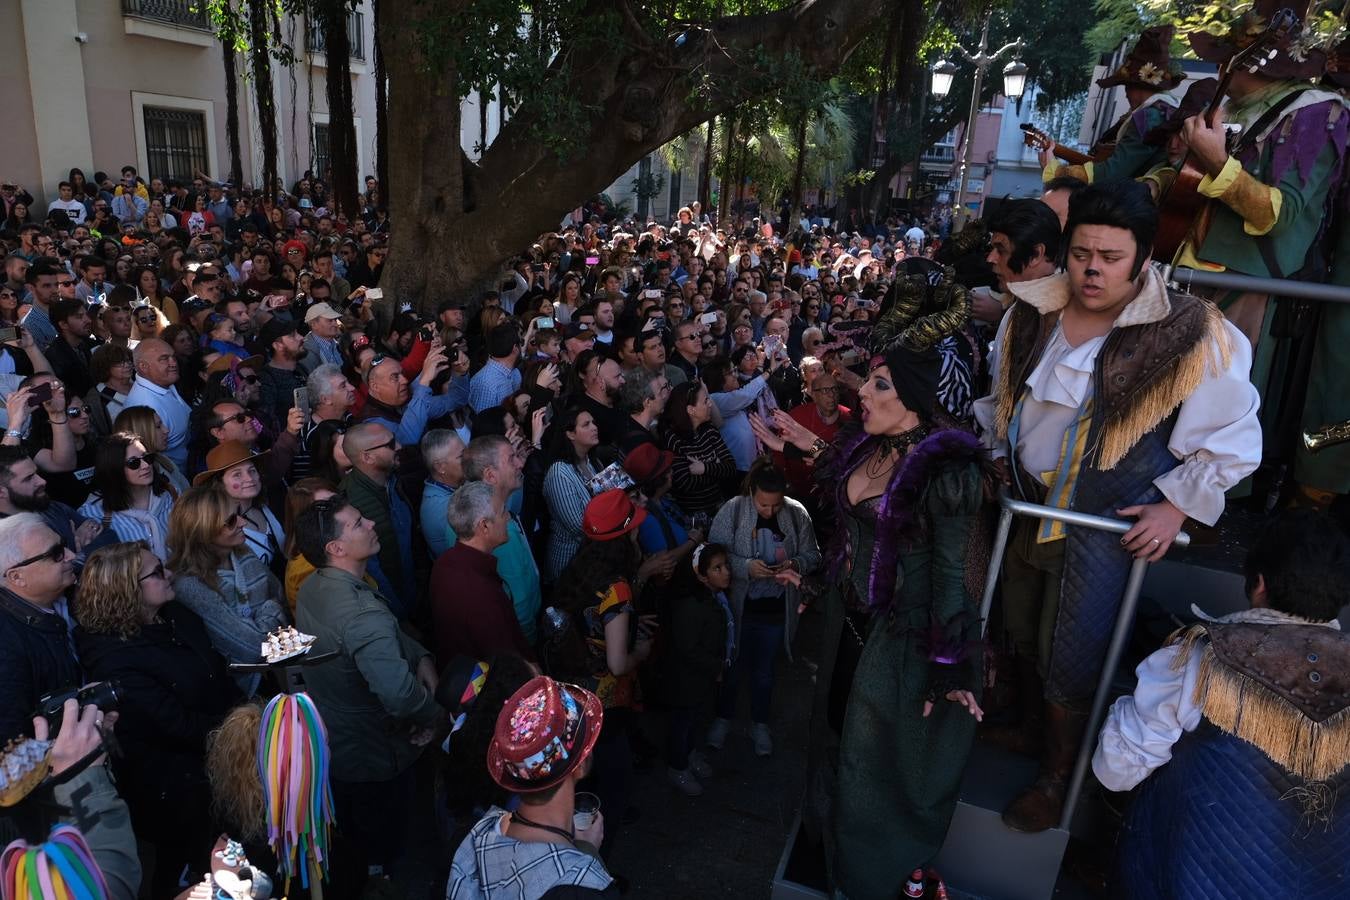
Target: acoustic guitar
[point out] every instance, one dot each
(1034, 137)
(1182, 209)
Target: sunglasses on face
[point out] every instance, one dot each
(64, 283)
(74, 412)
(239, 417)
(134, 462)
(387, 444)
(156, 572)
(55, 553)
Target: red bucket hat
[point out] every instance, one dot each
(646, 463)
(543, 732)
(611, 515)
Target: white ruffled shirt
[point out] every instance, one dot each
(1140, 729)
(1217, 435)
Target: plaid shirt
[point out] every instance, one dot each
(491, 866)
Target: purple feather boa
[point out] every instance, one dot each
(898, 519)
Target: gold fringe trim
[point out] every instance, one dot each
(1003, 388)
(1210, 355)
(1247, 709)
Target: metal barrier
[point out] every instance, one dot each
(1185, 278)
(1124, 619)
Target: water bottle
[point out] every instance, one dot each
(557, 621)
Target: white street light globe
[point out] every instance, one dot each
(944, 73)
(1014, 79)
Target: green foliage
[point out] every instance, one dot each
(1120, 20)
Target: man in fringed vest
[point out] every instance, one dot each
(1117, 397)
(1239, 730)
(1147, 74)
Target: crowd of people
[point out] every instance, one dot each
(536, 525)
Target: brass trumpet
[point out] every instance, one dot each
(1327, 436)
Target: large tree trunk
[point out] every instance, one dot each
(259, 23)
(446, 243)
(794, 214)
(381, 105)
(236, 171)
(705, 169)
(342, 153)
(724, 194)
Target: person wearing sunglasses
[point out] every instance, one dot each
(219, 577)
(174, 690)
(62, 444)
(130, 499)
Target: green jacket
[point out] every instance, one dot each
(1304, 177)
(369, 696)
(1132, 157)
(374, 502)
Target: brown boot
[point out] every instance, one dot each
(1027, 736)
(1040, 806)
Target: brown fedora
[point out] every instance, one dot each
(1286, 61)
(226, 456)
(1149, 64)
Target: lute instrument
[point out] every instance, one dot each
(1034, 137)
(1181, 206)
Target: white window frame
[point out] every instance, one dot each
(141, 99)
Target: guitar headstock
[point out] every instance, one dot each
(1034, 137)
(1258, 54)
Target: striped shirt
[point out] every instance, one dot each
(567, 496)
(151, 526)
(700, 493)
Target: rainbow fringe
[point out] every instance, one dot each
(61, 869)
(293, 765)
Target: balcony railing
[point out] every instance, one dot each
(185, 13)
(356, 35)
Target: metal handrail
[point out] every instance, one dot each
(1120, 634)
(1185, 278)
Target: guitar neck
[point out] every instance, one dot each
(1072, 157)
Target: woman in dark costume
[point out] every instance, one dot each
(897, 695)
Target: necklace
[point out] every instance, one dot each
(555, 830)
(880, 462)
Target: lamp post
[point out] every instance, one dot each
(1014, 83)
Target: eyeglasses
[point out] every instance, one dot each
(55, 553)
(249, 379)
(74, 412)
(387, 444)
(239, 417)
(156, 572)
(825, 390)
(134, 462)
(63, 283)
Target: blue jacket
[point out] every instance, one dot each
(435, 503)
(423, 406)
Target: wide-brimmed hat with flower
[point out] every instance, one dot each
(1289, 59)
(1149, 64)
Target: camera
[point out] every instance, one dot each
(102, 694)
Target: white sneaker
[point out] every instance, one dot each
(684, 782)
(717, 733)
(699, 766)
(759, 732)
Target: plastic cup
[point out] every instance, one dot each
(584, 810)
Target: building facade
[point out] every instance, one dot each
(98, 84)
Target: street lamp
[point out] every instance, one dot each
(1014, 83)
(944, 73)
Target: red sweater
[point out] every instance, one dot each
(470, 609)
